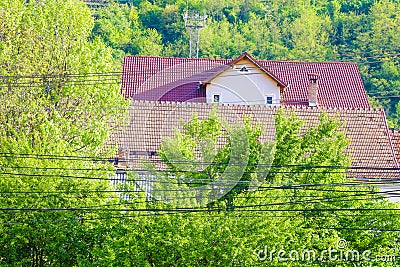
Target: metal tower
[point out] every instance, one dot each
(195, 22)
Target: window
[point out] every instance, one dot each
(268, 100)
(216, 98)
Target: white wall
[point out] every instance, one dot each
(391, 191)
(250, 88)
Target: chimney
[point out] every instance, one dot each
(312, 89)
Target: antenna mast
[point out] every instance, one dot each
(195, 22)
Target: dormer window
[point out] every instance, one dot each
(216, 98)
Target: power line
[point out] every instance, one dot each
(28, 84)
(172, 71)
(62, 75)
(197, 181)
(51, 156)
(357, 229)
(196, 163)
(224, 215)
(311, 199)
(247, 208)
(274, 169)
(247, 196)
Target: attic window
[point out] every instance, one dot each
(216, 98)
(244, 69)
(268, 100)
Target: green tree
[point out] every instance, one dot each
(308, 35)
(358, 6)
(194, 155)
(55, 121)
(220, 39)
(120, 27)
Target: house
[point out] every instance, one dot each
(166, 92)
(244, 80)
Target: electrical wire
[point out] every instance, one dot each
(195, 163)
(194, 181)
(172, 71)
(247, 208)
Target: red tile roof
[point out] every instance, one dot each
(152, 121)
(177, 79)
(340, 83)
(156, 78)
(395, 137)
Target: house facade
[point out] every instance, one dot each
(244, 82)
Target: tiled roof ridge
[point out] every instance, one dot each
(329, 108)
(332, 108)
(290, 107)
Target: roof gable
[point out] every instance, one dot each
(247, 57)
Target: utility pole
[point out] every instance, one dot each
(195, 22)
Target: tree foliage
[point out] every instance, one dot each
(53, 122)
(197, 156)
